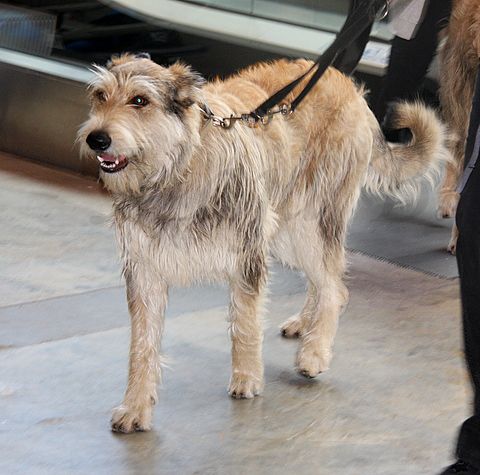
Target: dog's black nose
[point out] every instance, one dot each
(98, 141)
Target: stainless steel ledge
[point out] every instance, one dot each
(42, 104)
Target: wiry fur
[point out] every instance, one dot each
(459, 61)
(197, 203)
(400, 175)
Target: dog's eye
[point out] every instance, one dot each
(100, 96)
(138, 101)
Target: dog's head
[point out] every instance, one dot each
(143, 122)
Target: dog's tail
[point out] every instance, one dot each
(397, 169)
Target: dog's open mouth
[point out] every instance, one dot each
(112, 163)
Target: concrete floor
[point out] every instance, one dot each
(390, 405)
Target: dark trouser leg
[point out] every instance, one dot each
(468, 258)
(474, 120)
(410, 59)
(348, 59)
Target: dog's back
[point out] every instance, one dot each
(332, 136)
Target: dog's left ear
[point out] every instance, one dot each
(187, 85)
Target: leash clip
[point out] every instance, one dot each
(227, 123)
(285, 109)
(250, 120)
(217, 121)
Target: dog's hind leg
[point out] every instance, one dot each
(295, 326)
(284, 249)
(246, 293)
(320, 324)
(292, 249)
(147, 297)
(323, 262)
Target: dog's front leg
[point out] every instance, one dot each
(147, 298)
(247, 337)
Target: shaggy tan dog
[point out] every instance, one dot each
(459, 60)
(195, 203)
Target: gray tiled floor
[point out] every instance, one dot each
(409, 235)
(390, 404)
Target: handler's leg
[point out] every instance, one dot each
(468, 258)
(410, 59)
(347, 60)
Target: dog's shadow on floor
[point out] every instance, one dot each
(314, 385)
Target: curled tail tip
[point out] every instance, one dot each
(423, 122)
(421, 157)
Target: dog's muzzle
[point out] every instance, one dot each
(100, 141)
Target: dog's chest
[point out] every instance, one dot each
(179, 255)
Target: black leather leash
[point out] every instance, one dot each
(359, 19)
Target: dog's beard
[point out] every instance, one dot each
(126, 181)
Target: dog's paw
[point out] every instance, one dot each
(312, 362)
(293, 327)
(447, 205)
(244, 386)
(127, 420)
(452, 245)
